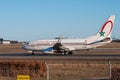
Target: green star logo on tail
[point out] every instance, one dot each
(101, 33)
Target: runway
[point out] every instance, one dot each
(94, 54)
(26, 56)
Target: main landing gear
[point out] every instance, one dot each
(67, 53)
(63, 52)
(33, 52)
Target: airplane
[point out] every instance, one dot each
(67, 46)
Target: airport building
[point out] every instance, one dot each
(2, 41)
(6, 42)
(9, 42)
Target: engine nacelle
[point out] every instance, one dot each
(48, 50)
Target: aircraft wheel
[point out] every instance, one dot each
(33, 53)
(70, 52)
(67, 52)
(88, 50)
(63, 53)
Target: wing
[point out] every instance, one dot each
(58, 45)
(57, 48)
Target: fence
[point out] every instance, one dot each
(64, 71)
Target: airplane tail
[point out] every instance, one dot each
(104, 32)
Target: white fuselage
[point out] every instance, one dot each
(71, 44)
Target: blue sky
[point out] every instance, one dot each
(26, 20)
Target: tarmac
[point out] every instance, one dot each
(94, 54)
